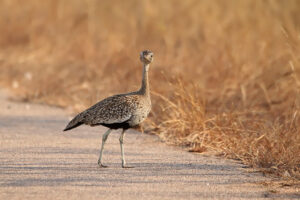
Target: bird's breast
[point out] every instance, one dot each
(137, 119)
(139, 115)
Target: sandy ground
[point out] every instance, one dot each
(39, 161)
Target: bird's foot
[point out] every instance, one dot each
(127, 167)
(101, 165)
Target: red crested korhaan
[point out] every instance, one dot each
(121, 111)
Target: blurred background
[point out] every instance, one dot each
(225, 74)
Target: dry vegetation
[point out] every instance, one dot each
(226, 75)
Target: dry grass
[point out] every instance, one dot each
(225, 76)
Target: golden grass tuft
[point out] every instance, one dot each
(225, 76)
(270, 146)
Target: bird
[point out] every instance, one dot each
(121, 111)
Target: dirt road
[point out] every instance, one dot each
(39, 161)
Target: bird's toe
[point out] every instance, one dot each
(127, 167)
(102, 166)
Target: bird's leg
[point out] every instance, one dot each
(122, 149)
(104, 138)
(142, 129)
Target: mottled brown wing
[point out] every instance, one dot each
(114, 109)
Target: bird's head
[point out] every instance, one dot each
(146, 56)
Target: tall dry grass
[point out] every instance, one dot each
(225, 75)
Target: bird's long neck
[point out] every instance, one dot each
(145, 90)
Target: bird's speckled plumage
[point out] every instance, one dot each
(131, 108)
(119, 111)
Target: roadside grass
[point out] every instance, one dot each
(225, 76)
